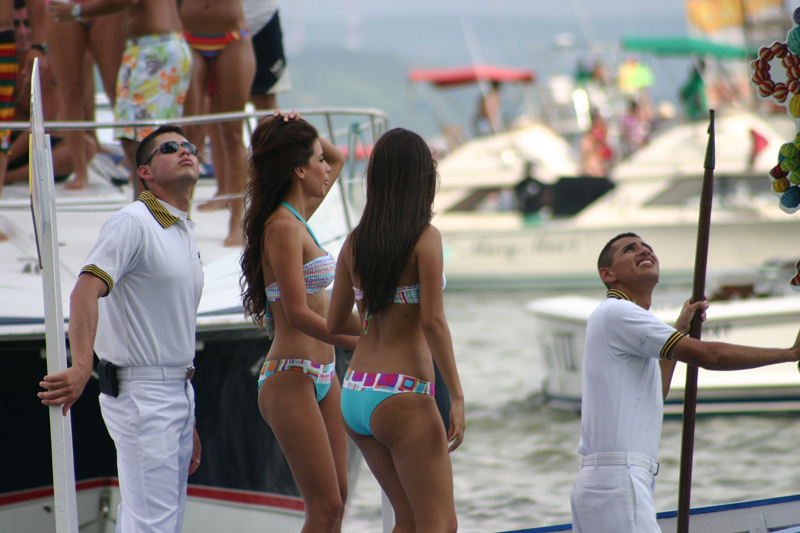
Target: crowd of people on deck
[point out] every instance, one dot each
(135, 302)
(155, 60)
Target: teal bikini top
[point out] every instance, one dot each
(318, 274)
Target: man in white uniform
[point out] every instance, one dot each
(629, 359)
(135, 304)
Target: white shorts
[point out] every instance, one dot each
(613, 499)
(152, 424)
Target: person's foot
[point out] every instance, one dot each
(3, 237)
(234, 241)
(78, 184)
(236, 236)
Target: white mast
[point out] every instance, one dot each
(44, 221)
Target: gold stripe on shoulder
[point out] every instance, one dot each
(619, 295)
(95, 271)
(164, 217)
(670, 344)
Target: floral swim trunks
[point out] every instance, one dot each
(152, 81)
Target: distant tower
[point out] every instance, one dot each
(294, 35)
(352, 20)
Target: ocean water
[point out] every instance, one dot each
(518, 461)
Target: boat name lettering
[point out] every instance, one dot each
(489, 247)
(716, 331)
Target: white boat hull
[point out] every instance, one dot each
(777, 515)
(564, 255)
(767, 322)
(206, 509)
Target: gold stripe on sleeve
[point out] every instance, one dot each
(92, 269)
(670, 344)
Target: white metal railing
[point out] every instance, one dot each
(373, 122)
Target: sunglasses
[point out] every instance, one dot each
(170, 147)
(18, 23)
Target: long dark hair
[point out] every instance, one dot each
(277, 148)
(401, 184)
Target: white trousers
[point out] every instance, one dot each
(613, 499)
(151, 423)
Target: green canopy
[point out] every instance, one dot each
(682, 46)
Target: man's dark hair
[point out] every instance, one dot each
(148, 144)
(607, 253)
(146, 147)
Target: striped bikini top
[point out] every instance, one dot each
(408, 294)
(318, 274)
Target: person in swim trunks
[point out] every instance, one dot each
(391, 266)
(284, 274)
(156, 66)
(223, 67)
(272, 74)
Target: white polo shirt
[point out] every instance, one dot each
(621, 399)
(147, 255)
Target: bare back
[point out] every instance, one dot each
(396, 342)
(212, 16)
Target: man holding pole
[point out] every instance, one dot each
(135, 304)
(629, 359)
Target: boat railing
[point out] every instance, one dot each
(366, 126)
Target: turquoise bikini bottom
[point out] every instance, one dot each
(362, 393)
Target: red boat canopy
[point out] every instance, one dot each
(456, 76)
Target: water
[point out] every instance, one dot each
(517, 464)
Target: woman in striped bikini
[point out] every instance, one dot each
(391, 265)
(284, 274)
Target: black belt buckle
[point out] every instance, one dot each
(107, 374)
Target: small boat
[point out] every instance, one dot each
(488, 243)
(560, 325)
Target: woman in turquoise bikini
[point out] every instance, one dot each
(391, 265)
(284, 274)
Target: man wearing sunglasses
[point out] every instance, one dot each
(135, 305)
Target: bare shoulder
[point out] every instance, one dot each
(280, 228)
(430, 238)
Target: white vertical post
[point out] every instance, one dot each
(387, 513)
(44, 219)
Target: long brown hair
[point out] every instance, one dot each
(277, 148)
(401, 184)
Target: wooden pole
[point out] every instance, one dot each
(698, 290)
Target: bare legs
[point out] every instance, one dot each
(313, 440)
(62, 161)
(407, 453)
(233, 70)
(69, 58)
(264, 101)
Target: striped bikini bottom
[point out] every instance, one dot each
(321, 374)
(363, 392)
